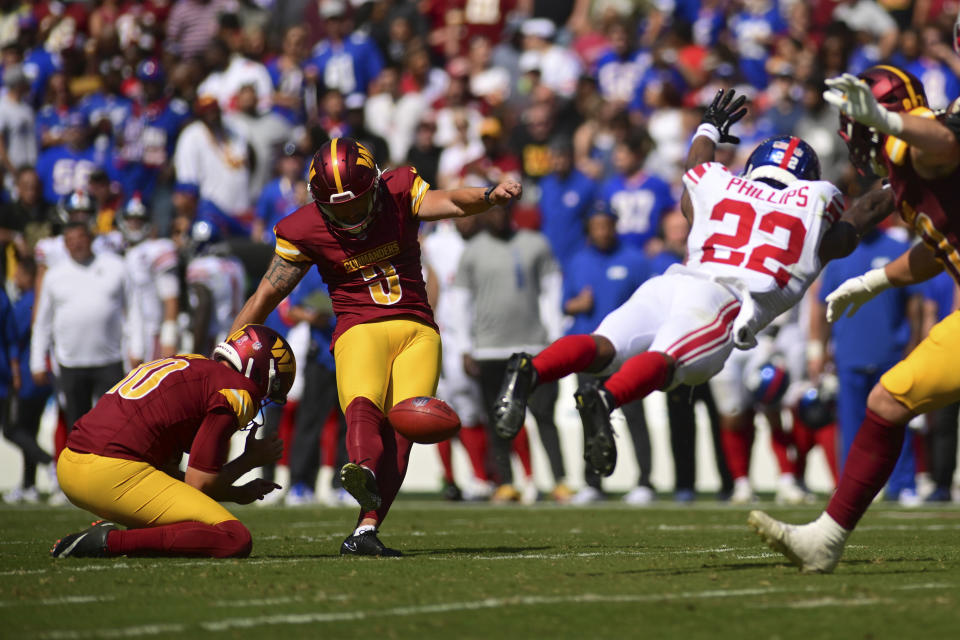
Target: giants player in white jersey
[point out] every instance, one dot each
(217, 285)
(757, 241)
(151, 264)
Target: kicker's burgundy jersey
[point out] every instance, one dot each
(932, 207)
(376, 274)
(154, 413)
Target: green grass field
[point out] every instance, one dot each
(476, 571)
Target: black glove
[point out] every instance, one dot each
(723, 112)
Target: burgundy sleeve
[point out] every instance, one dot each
(211, 445)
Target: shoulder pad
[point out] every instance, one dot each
(242, 405)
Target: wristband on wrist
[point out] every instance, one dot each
(486, 194)
(168, 333)
(709, 131)
(815, 350)
(876, 280)
(892, 122)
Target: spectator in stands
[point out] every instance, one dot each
(80, 319)
(214, 158)
(192, 25)
(559, 68)
(265, 132)
(67, 167)
(566, 199)
(232, 71)
(393, 114)
(287, 74)
(598, 279)
(345, 61)
(423, 153)
(282, 195)
(148, 136)
(359, 131)
(18, 137)
(496, 163)
(638, 198)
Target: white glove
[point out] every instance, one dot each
(854, 98)
(856, 291)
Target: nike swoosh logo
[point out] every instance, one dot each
(69, 550)
(351, 546)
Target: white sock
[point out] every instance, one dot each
(834, 533)
(364, 528)
(788, 480)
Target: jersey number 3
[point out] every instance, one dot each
(383, 291)
(746, 216)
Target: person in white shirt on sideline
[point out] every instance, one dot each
(80, 317)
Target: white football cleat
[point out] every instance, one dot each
(640, 496)
(587, 495)
(742, 492)
(791, 493)
(806, 545)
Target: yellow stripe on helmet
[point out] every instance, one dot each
(336, 165)
(915, 101)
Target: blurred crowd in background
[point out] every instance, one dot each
(194, 121)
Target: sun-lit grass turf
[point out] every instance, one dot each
(484, 572)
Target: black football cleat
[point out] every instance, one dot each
(599, 449)
(451, 492)
(510, 408)
(89, 543)
(362, 485)
(367, 544)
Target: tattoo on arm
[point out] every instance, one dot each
(284, 275)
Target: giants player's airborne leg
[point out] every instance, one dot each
(756, 243)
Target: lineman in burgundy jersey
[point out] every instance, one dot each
(122, 458)
(361, 232)
(889, 131)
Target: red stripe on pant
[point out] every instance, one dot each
(698, 342)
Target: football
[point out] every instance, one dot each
(424, 419)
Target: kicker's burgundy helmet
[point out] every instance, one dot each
(342, 172)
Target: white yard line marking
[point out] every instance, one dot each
(122, 632)
(60, 600)
(821, 602)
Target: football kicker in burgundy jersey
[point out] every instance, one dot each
(376, 274)
(156, 412)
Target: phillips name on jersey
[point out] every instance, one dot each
(761, 241)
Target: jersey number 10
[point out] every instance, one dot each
(147, 377)
(746, 215)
